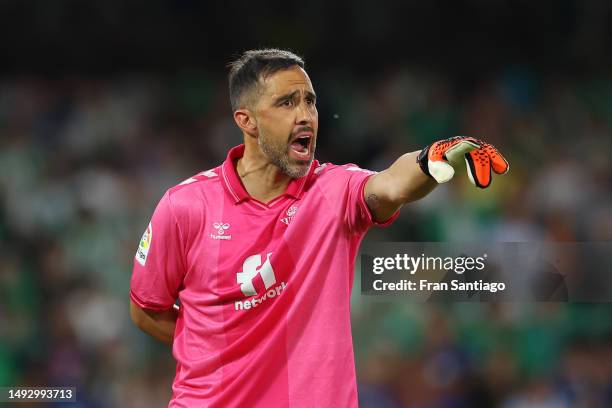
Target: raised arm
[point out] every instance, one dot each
(416, 174)
(401, 183)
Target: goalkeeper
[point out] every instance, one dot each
(260, 250)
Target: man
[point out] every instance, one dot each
(260, 250)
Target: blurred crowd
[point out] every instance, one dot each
(84, 160)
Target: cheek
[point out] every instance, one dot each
(315, 115)
(274, 131)
(277, 125)
(276, 120)
(281, 124)
(315, 124)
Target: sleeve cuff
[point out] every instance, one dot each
(155, 307)
(366, 210)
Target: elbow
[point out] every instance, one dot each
(404, 194)
(136, 314)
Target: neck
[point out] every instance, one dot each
(263, 180)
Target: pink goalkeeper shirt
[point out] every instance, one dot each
(264, 289)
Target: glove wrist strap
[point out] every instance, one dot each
(422, 160)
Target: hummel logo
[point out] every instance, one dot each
(220, 227)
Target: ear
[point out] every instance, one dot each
(245, 120)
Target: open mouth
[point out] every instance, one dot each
(301, 146)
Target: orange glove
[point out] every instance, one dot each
(440, 160)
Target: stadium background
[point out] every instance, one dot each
(103, 106)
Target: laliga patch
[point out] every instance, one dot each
(145, 244)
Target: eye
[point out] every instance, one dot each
(287, 103)
(310, 101)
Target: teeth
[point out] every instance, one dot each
(301, 146)
(303, 150)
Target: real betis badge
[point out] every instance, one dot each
(145, 244)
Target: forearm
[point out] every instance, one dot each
(160, 325)
(406, 181)
(401, 183)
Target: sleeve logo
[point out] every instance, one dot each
(145, 244)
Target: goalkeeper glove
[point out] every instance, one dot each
(440, 160)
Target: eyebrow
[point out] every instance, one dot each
(292, 95)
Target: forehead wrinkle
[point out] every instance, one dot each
(291, 80)
(283, 84)
(297, 81)
(305, 81)
(292, 93)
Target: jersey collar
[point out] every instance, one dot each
(234, 186)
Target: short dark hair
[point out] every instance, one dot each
(254, 65)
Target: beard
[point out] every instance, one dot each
(278, 154)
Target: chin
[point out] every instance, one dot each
(298, 170)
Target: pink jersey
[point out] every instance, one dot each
(264, 289)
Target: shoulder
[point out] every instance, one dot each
(334, 171)
(200, 180)
(197, 183)
(194, 191)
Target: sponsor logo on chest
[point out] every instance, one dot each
(252, 267)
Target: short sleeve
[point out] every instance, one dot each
(357, 214)
(158, 264)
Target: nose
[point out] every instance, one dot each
(305, 114)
